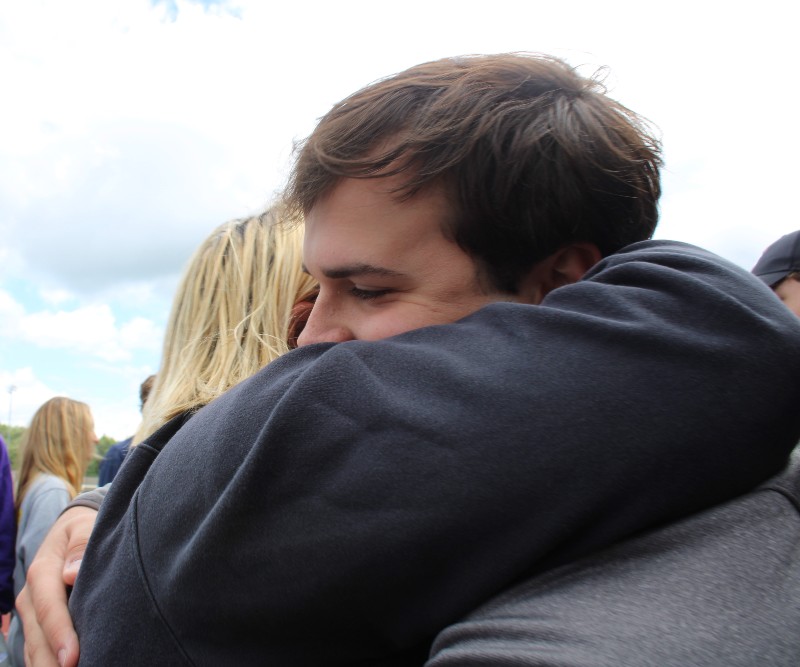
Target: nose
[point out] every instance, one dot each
(325, 325)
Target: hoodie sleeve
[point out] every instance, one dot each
(350, 501)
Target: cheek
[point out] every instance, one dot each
(789, 293)
(386, 324)
(467, 305)
(401, 318)
(396, 318)
(794, 304)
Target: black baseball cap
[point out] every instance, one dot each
(779, 260)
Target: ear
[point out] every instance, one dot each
(565, 266)
(301, 311)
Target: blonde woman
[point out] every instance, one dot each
(241, 303)
(238, 307)
(56, 449)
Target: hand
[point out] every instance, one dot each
(50, 637)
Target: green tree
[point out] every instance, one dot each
(102, 447)
(13, 435)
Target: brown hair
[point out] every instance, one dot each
(144, 390)
(533, 156)
(59, 442)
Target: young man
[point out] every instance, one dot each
(376, 487)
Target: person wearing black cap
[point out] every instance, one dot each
(779, 267)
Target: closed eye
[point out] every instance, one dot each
(366, 294)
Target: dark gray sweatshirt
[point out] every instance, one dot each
(350, 501)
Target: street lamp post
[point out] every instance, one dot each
(11, 389)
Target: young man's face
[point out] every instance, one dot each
(385, 267)
(789, 292)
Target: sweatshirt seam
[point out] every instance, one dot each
(146, 582)
(779, 489)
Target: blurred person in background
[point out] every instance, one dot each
(109, 466)
(56, 449)
(779, 268)
(8, 532)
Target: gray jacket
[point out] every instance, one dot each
(719, 589)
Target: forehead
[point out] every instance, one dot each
(363, 221)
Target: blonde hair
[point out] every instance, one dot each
(231, 315)
(57, 442)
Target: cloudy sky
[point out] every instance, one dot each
(129, 129)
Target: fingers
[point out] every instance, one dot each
(70, 572)
(50, 638)
(38, 652)
(34, 639)
(79, 537)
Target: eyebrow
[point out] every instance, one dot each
(358, 270)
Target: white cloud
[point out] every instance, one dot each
(119, 217)
(117, 418)
(140, 333)
(56, 297)
(154, 140)
(29, 392)
(90, 330)
(11, 313)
